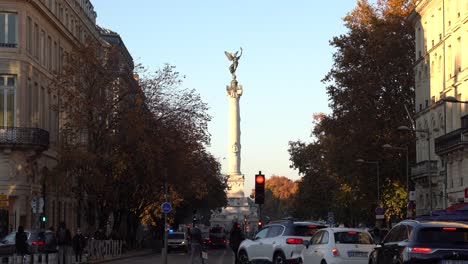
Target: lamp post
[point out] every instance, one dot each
(378, 176)
(388, 146)
(428, 133)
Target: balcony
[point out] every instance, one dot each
(23, 137)
(452, 141)
(421, 171)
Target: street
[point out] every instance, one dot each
(215, 256)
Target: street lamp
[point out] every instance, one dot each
(378, 176)
(388, 146)
(428, 133)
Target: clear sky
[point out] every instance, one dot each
(286, 54)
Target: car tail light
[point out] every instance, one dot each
(38, 243)
(449, 229)
(311, 226)
(294, 241)
(335, 252)
(352, 232)
(421, 250)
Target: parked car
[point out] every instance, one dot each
(38, 241)
(178, 240)
(413, 241)
(336, 246)
(278, 242)
(217, 237)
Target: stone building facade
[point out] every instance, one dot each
(35, 37)
(441, 74)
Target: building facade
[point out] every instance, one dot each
(35, 37)
(441, 74)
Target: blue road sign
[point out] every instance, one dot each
(331, 219)
(166, 207)
(379, 211)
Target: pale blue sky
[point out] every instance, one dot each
(286, 54)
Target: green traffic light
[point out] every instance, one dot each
(43, 219)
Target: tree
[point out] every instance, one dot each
(279, 193)
(369, 85)
(394, 200)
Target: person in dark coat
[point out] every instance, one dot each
(79, 243)
(21, 241)
(235, 238)
(64, 243)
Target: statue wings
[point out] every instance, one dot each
(229, 56)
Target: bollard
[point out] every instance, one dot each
(43, 258)
(18, 259)
(11, 259)
(28, 259)
(36, 259)
(52, 258)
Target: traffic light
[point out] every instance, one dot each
(43, 218)
(260, 188)
(260, 224)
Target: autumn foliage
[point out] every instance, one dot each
(369, 86)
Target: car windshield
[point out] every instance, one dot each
(175, 236)
(353, 237)
(449, 235)
(306, 230)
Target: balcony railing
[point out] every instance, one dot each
(451, 141)
(421, 168)
(24, 137)
(8, 45)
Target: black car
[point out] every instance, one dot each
(38, 241)
(438, 242)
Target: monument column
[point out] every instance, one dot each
(234, 92)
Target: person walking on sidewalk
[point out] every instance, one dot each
(196, 241)
(79, 243)
(235, 238)
(21, 243)
(64, 243)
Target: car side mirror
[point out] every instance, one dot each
(306, 243)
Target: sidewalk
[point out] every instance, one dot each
(129, 254)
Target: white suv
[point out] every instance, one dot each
(278, 242)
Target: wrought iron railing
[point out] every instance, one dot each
(8, 45)
(421, 168)
(450, 141)
(24, 136)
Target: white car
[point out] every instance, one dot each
(278, 242)
(177, 240)
(338, 245)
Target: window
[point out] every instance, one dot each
(316, 238)
(353, 237)
(42, 47)
(262, 233)
(275, 231)
(36, 41)
(324, 238)
(8, 30)
(30, 35)
(7, 100)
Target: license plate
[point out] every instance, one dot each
(454, 262)
(357, 254)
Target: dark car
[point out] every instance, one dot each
(38, 241)
(411, 241)
(217, 237)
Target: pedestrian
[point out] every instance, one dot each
(63, 242)
(21, 242)
(196, 242)
(79, 243)
(235, 238)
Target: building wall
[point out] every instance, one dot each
(441, 31)
(46, 31)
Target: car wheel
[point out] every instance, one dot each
(299, 261)
(243, 258)
(323, 262)
(279, 258)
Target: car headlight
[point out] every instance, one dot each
(183, 242)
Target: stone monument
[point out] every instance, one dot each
(240, 208)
